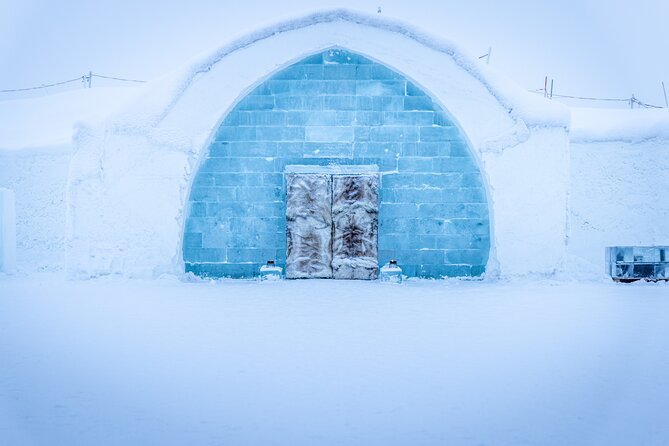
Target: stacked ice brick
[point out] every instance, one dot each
(337, 107)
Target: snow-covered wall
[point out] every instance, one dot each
(530, 184)
(619, 182)
(7, 231)
(35, 153)
(38, 178)
(130, 179)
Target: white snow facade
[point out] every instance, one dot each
(474, 176)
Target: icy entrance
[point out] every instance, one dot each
(338, 113)
(331, 226)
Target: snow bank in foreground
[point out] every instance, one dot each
(110, 362)
(48, 121)
(598, 124)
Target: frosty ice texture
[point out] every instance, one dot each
(390, 273)
(637, 262)
(337, 107)
(355, 217)
(308, 226)
(271, 272)
(331, 225)
(7, 231)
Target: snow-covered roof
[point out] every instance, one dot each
(48, 121)
(532, 109)
(605, 124)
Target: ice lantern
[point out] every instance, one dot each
(271, 271)
(391, 272)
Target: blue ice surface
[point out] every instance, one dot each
(338, 107)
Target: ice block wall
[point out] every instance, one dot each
(338, 107)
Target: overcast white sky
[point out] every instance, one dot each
(601, 48)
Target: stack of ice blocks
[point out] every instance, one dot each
(630, 263)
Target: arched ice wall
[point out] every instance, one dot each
(129, 180)
(338, 108)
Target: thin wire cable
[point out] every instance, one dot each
(644, 105)
(632, 100)
(538, 90)
(591, 99)
(117, 78)
(43, 85)
(81, 78)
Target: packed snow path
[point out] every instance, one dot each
(114, 361)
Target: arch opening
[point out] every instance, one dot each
(338, 108)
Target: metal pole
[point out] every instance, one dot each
(545, 86)
(90, 78)
(487, 59)
(552, 88)
(665, 95)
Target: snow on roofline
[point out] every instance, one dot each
(532, 109)
(605, 125)
(45, 122)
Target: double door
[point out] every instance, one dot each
(331, 226)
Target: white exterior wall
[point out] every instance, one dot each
(7, 231)
(38, 179)
(530, 184)
(125, 215)
(619, 196)
(129, 180)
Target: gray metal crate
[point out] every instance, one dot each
(631, 263)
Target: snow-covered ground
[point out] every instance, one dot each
(113, 361)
